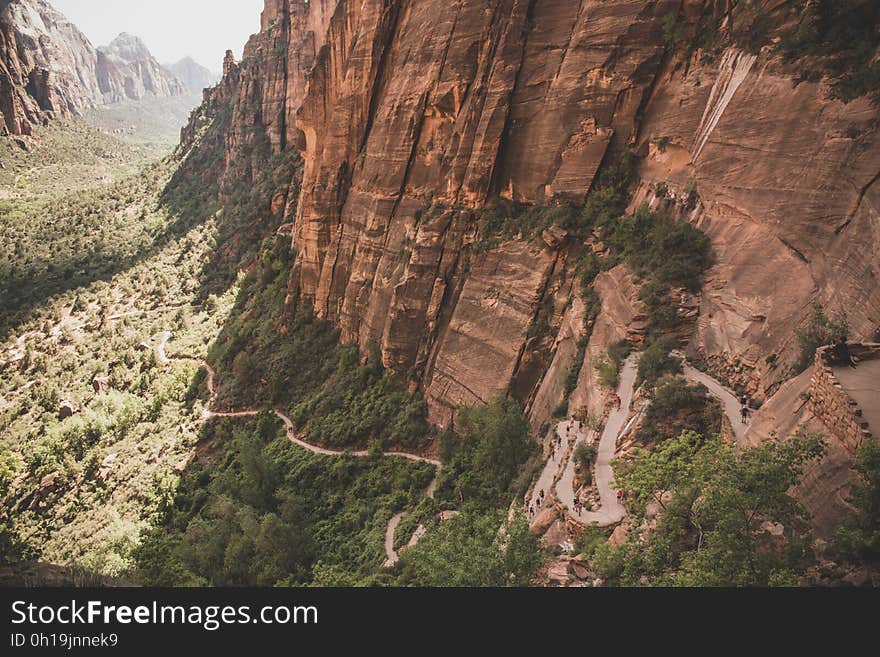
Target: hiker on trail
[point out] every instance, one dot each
(542, 493)
(617, 401)
(841, 352)
(620, 497)
(745, 414)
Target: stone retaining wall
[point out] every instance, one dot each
(830, 403)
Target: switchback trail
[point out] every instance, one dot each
(610, 511)
(392, 556)
(730, 403)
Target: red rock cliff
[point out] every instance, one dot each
(412, 116)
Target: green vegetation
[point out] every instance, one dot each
(858, 539)
(56, 244)
(844, 35)
(86, 485)
(677, 407)
(610, 196)
(715, 503)
(469, 551)
(657, 361)
(66, 157)
(269, 354)
(817, 331)
(483, 460)
(150, 124)
(609, 369)
(670, 253)
(608, 374)
(506, 220)
(263, 512)
(585, 456)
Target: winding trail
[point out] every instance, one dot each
(392, 556)
(730, 403)
(610, 511)
(617, 426)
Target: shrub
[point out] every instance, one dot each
(670, 252)
(817, 331)
(607, 373)
(676, 407)
(656, 361)
(493, 443)
(585, 456)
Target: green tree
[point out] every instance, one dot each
(817, 331)
(493, 442)
(468, 550)
(859, 538)
(715, 503)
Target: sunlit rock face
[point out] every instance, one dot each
(49, 68)
(412, 116)
(127, 70)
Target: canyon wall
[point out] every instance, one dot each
(126, 70)
(412, 117)
(48, 68)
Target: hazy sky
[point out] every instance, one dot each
(172, 29)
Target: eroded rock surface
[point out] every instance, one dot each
(48, 68)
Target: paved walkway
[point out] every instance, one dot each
(610, 511)
(392, 556)
(730, 403)
(572, 434)
(552, 466)
(863, 385)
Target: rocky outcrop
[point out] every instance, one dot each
(396, 125)
(784, 179)
(621, 318)
(48, 68)
(126, 70)
(412, 117)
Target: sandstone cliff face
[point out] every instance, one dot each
(49, 68)
(787, 180)
(127, 70)
(412, 116)
(414, 111)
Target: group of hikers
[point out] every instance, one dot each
(539, 502)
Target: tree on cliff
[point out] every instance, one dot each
(717, 506)
(485, 456)
(467, 550)
(859, 539)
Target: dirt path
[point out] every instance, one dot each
(392, 556)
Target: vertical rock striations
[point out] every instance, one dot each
(413, 116)
(49, 68)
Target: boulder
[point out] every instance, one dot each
(67, 409)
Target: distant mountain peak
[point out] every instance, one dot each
(127, 48)
(195, 76)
